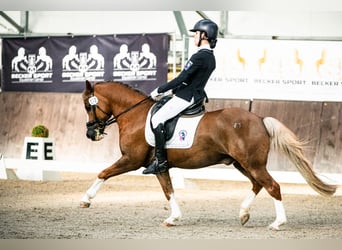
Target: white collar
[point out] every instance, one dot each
(205, 46)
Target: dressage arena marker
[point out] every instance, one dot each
(37, 149)
(6, 173)
(3, 174)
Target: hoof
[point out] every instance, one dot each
(273, 228)
(275, 225)
(244, 219)
(84, 204)
(167, 224)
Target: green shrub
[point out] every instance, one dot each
(40, 131)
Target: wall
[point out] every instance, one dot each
(65, 117)
(317, 123)
(320, 124)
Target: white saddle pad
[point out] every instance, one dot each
(184, 134)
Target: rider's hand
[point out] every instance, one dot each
(169, 92)
(154, 94)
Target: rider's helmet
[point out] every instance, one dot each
(210, 28)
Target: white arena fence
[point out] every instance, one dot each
(46, 170)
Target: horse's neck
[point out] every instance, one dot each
(123, 98)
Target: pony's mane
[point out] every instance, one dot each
(124, 85)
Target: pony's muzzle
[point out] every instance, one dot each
(95, 134)
(94, 131)
(91, 134)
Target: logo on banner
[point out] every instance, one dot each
(31, 67)
(83, 66)
(135, 65)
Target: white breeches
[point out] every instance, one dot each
(172, 108)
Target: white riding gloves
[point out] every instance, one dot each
(154, 94)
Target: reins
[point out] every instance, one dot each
(115, 117)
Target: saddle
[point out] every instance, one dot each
(195, 109)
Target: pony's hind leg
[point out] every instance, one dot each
(247, 202)
(245, 207)
(273, 188)
(281, 216)
(261, 178)
(166, 184)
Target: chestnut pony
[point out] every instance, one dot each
(229, 136)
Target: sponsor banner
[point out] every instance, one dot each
(277, 70)
(63, 64)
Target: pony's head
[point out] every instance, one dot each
(98, 113)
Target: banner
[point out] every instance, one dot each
(63, 64)
(277, 70)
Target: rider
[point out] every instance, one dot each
(187, 87)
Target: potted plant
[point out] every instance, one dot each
(40, 131)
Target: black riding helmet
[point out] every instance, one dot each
(210, 28)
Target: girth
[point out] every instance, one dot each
(195, 109)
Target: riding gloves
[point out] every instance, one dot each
(154, 94)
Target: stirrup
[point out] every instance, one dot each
(156, 168)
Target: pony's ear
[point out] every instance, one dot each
(89, 88)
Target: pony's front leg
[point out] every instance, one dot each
(175, 212)
(165, 182)
(91, 193)
(280, 215)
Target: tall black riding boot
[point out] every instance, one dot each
(159, 164)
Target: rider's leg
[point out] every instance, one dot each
(172, 108)
(159, 164)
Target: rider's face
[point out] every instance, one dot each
(197, 37)
(198, 34)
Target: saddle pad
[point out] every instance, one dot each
(184, 134)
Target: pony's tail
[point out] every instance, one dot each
(284, 140)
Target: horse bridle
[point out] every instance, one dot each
(93, 104)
